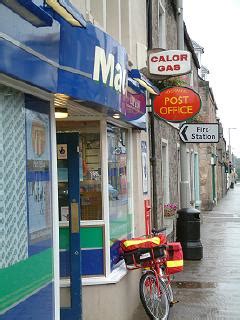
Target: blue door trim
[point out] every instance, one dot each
(74, 312)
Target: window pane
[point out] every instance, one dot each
(120, 224)
(63, 189)
(90, 176)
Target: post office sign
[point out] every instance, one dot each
(177, 104)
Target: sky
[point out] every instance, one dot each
(215, 25)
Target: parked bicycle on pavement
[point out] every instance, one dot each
(159, 260)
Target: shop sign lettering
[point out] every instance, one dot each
(133, 106)
(177, 104)
(112, 74)
(170, 62)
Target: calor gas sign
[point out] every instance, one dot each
(169, 63)
(177, 104)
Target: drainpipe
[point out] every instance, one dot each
(154, 171)
(152, 127)
(149, 23)
(192, 249)
(184, 183)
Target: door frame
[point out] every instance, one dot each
(74, 312)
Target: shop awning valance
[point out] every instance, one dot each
(67, 11)
(30, 12)
(134, 85)
(136, 75)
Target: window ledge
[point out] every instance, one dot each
(114, 277)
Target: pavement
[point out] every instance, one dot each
(209, 289)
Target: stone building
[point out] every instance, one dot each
(212, 156)
(71, 188)
(166, 156)
(221, 164)
(213, 177)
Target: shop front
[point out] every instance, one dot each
(28, 259)
(96, 144)
(68, 209)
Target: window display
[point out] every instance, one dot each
(26, 250)
(38, 175)
(118, 188)
(90, 176)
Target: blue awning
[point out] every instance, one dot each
(143, 81)
(134, 85)
(67, 11)
(30, 12)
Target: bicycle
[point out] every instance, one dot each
(155, 288)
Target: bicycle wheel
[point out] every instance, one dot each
(154, 298)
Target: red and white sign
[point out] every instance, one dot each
(177, 104)
(169, 63)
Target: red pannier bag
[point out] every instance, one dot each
(143, 242)
(174, 257)
(139, 250)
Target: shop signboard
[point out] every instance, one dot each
(199, 132)
(169, 63)
(98, 78)
(177, 104)
(133, 106)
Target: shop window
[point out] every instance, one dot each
(26, 250)
(90, 176)
(165, 172)
(89, 171)
(118, 188)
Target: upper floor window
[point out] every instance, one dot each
(162, 25)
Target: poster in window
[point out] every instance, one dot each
(144, 166)
(38, 176)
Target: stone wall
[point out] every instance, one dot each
(217, 151)
(166, 132)
(205, 169)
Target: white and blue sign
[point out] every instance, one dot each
(96, 65)
(86, 64)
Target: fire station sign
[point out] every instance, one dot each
(169, 63)
(200, 132)
(177, 104)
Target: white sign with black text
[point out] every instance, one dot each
(200, 132)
